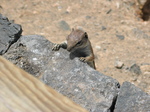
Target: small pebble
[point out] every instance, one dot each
(119, 64)
(88, 17)
(103, 28)
(121, 37)
(108, 11)
(98, 47)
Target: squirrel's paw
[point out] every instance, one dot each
(83, 59)
(56, 47)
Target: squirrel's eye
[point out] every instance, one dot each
(79, 43)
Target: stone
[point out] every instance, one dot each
(135, 69)
(138, 33)
(132, 99)
(88, 17)
(30, 53)
(121, 37)
(119, 64)
(64, 25)
(81, 83)
(98, 47)
(103, 28)
(108, 11)
(78, 81)
(9, 33)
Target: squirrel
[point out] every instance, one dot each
(78, 44)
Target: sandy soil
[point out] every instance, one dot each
(117, 33)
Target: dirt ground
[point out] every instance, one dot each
(117, 33)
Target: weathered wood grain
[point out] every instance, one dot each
(21, 92)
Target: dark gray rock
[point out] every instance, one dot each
(103, 28)
(108, 11)
(135, 69)
(84, 85)
(64, 25)
(30, 53)
(88, 17)
(132, 99)
(121, 37)
(9, 33)
(74, 79)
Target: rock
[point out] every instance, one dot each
(103, 28)
(88, 17)
(119, 64)
(121, 37)
(9, 33)
(135, 69)
(30, 53)
(98, 47)
(132, 99)
(108, 11)
(64, 25)
(87, 87)
(73, 78)
(140, 34)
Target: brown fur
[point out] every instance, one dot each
(84, 50)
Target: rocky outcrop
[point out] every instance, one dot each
(132, 99)
(9, 33)
(92, 90)
(74, 79)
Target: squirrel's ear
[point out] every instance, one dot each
(86, 35)
(72, 29)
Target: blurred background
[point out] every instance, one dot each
(120, 38)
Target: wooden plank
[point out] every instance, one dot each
(21, 92)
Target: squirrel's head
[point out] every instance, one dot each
(76, 39)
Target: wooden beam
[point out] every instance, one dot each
(21, 92)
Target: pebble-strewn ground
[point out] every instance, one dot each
(120, 39)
